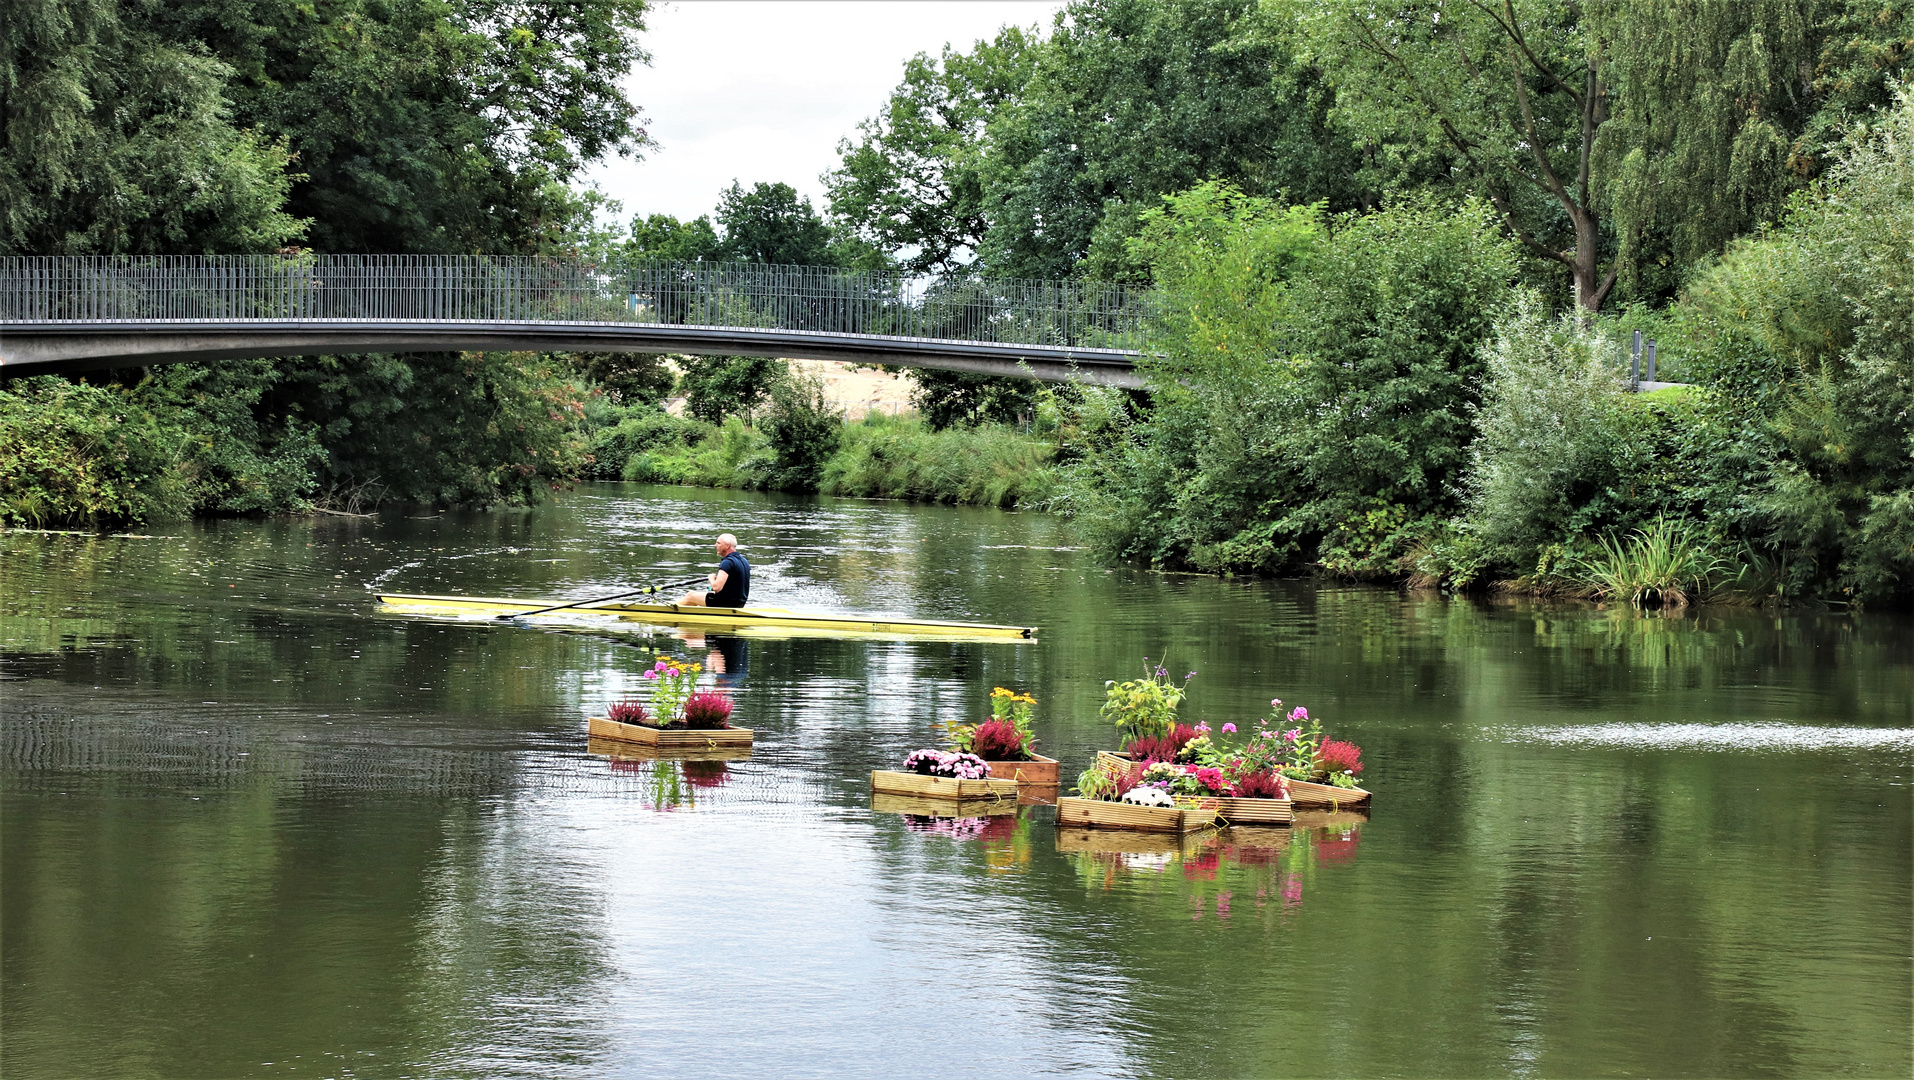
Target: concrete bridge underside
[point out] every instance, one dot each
(40, 348)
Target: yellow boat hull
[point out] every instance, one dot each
(752, 621)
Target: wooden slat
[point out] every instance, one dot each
(1315, 796)
(886, 803)
(893, 782)
(686, 739)
(1098, 814)
(1038, 770)
(1125, 841)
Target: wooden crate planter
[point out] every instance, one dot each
(940, 808)
(1073, 813)
(662, 738)
(1313, 796)
(1232, 811)
(892, 782)
(1038, 770)
(628, 751)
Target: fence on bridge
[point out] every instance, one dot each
(382, 288)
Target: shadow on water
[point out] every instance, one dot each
(251, 826)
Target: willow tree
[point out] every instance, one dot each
(1591, 129)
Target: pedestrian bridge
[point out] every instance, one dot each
(72, 314)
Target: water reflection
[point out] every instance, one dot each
(249, 821)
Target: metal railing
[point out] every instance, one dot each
(381, 288)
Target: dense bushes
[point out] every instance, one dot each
(1315, 390)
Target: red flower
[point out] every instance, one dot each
(1261, 785)
(1162, 748)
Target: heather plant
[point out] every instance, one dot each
(1263, 784)
(627, 712)
(707, 711)
(1144, 707)
(1162, 748)
(1340, 761)
(998, 740)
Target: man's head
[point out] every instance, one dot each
(726, 544)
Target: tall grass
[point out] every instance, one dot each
(900, 458)
(1671, 563)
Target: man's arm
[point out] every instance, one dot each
(718, 579)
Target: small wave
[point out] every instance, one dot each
(1771, 735)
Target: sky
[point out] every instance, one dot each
(762, 91)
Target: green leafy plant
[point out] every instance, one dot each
(1666, 563)
(1145, 707)
(672, 682)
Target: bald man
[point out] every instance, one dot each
(731, 585)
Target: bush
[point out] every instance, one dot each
(705, 711)
(803, 431)
(77, 454)
(997, 740)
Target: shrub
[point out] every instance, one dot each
(899, 458)
(803, 431)
(707, 711)
(628, 712)
(998, 740)
(716, 387)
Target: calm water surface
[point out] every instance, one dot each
(251, 827)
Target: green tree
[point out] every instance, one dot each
(116, 138)
(912, 185)
(427, 127)
(661, 236)
(719, 386)
(771, 224)
(1135, 99)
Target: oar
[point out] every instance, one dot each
(647, 590)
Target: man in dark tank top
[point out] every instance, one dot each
(731, 584)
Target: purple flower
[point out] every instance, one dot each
(1202, 727)
(1190, 676)
(1299, 713)
(1229, 729)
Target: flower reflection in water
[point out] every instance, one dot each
(1274, 865)
(705, 774)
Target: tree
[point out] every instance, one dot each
(719, 386)
(427, 127)
(116, 139)
(1132, 100)
(664, 237)
(770, 224)
(912, 185)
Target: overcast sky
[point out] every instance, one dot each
(750, 90)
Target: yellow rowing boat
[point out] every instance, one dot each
(753, 621)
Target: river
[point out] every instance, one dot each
(253, 827)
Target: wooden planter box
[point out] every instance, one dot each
(1313, 796)
(661, 738)
(627, 751)
(1232, 811)
(892, 782)
(1038, 770)
(940, 808)
(1075, 813)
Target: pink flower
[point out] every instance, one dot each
(1299, 713)
(651, 675)
(1229, 729)
(1202, 727)
(1275, 703)
(659, 666)
(1292, 734)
